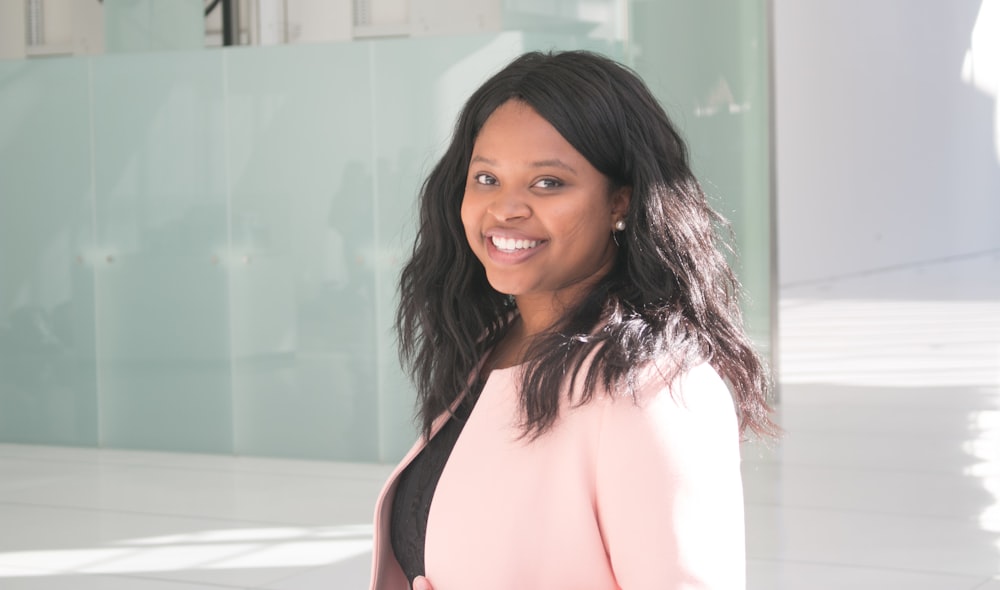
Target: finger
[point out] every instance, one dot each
(421, 583)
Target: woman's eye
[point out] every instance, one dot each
(484, 179)
(548, 183)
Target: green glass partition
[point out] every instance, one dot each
(199, 249)
(301, 265)
(48, 381)
(708, 64)
(163, 345)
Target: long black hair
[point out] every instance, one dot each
(670, 295)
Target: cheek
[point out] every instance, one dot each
(584, 226)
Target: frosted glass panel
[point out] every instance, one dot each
(161, 272)
(707, 63)
(48, 389)
(303, 251)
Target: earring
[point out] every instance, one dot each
(620, 225)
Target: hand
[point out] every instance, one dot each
(421, 583)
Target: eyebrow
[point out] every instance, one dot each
(555, 162)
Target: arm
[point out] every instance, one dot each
(669, 494)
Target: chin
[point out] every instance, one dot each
(507, 288)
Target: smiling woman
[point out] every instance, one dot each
(571, 326)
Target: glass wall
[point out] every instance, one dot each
(708, 64)
(199, 249)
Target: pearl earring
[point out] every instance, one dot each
(620, 225)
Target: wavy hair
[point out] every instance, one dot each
(670, 294)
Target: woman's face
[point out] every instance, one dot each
(536, 213)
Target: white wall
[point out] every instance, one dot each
(884, 155)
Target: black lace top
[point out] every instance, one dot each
(411, 503)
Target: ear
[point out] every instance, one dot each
(620, 199)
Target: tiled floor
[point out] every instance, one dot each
(87, 519)
(888, 475)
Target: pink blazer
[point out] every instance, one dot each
(615, 496)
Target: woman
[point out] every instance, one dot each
(567, 311)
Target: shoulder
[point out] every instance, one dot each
(656, 395)
(659, 388)
(674, 421)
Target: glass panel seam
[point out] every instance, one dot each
(98, 372)
(380, 401)
(227, 179)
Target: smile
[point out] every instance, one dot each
(512, 245)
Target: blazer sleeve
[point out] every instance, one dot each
(669, 495)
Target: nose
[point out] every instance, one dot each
(509, 205)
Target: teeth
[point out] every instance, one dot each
(510, 244)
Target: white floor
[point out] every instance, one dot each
(888, 475)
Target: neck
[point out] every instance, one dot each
(510, 351)
(532, 320)
(540, 312)
(537, 315)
